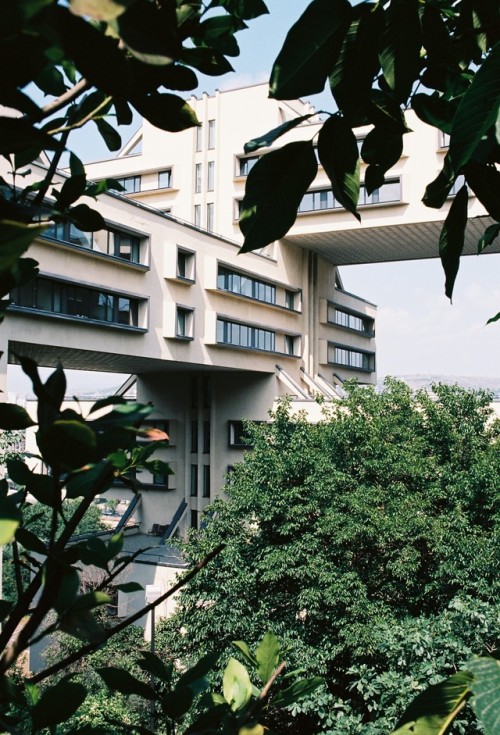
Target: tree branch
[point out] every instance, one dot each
(63, 100)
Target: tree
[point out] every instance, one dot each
(442, 59)
(91, 62)
(357, 541)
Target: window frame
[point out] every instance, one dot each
(184, 322)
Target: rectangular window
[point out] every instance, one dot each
(245, 165)
(252, 288)
(206, 481)
(165, 179)
(79, 301)
(199, 138)
(160, 480)
(291, 343)
(206, 437)
(210, 216)
(211, 134)
(194, 519)
(194, 481)
(457, 185)
(242, 335)
(356, 322)
(112, 242)
(194, 437)
(131, 184)
(237, 435)
(185, 264)
(290, 298)
(197, 215)
(198, 178)
(184, 323)
(350, 358)
(322, 199)
(125, 246)
(211, 176)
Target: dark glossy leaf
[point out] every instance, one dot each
(30, 541)
(16, 134)
(431, 711)
(44, 489)
(274, 190)
(338, 154)
(100, 187)
(115, 545)
(495, 318)
(5, 608)
(297, 691)
(15, 238)
(55, 386)
(385, 111)
(13, 417)
(128, 587)
(490, 234)
(177, 703)
(484, 180)
(438, 190)
(268, 138)
(71, 190)
(400, 51)
(452, 238)
(207, 61)
(477, 111)
(25, 157)
(121, 681)
(10, 518)
(199, 670)
(267, 655)
(91, 481)
(159, 467)
(76, 166)
(167, 112)
(310, 50)
(68, 444)
(86, 219)
(485, 687)
(152, 664)
(18, 472)
(124, 114)
(357, 65)
(51, 81)
(374, 178)
(246, 9)
(434, 110)
(440, 58)
(108, 401)
(382, 147)
(68, 590)
(143, 29)
(81, 624)
(89, 105)
(57, 704)
(110, 136)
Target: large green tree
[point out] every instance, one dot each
(358, 541)
(439, 57)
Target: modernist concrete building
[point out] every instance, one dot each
(215, 337)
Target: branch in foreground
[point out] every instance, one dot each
(89, 648)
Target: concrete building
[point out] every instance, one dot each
(215, 337)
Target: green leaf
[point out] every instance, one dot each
(274, 190)
(76, 166)
(30, 541)
(484, 180)
(432, 711)
(246, 9)
(438, 190)
(119, 459)
(400, 52)
(268, 138)
(110, 136)
(19, 472)
(382, 147)
(243, 648)
(115, 545)
(50, 81)
(143, 29)
(338, 154)
(452, 238)
(109, 401)
(486, 690)
(44, 489)
(489, 235)
(310, 50)
(177, 703)
(236, 686)
(493, 318)
(5, 608)
(123, 682)
(86, 219)
(477, 111)
(57, 704)
(298, 690)
(13, 417)
(166, 111)
(68, 590)
(70, 444)
(206, 60)
(152, 664)
(199, 670)
(90, 601)
(267, 655)
(71, 190)
(81, 624)
(90, 481)
(55, 386)
(16, 134)
(128, 587)
(10, 518)
(434, 110)
(15, 238)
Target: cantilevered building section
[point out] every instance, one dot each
(215, 337)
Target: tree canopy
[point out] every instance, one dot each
(362, 542)
(442, 59)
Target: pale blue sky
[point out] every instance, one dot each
(418, 331)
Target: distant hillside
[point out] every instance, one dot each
(425, 381)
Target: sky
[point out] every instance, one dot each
(418, 331)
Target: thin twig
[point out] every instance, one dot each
(38, 200)
(84, 120)
(271, 680)
(75, 91)
(90, 647)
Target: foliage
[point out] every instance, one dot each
(355, 540)
(442, 59)
(93, 62)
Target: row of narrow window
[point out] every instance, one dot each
(198, 177)
(350, 321)
(205, 492)
(109, 242)
(242, 335)
(351, 358)
(56, 297)
(133, 184)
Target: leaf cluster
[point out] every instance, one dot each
(378, 59)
